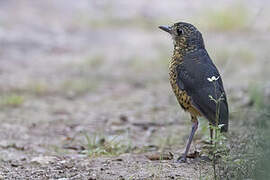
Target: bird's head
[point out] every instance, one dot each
(185, 36)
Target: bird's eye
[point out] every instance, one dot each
(179, 31)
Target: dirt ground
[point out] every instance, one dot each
(84, 85)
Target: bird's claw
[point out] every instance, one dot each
(182, 159)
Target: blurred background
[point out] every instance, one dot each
(90, 78)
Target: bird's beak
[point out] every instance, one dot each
(166, 28)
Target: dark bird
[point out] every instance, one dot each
(195, 80)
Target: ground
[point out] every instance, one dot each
(84, 85)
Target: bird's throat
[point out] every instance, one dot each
(182, 49)
(178, 53)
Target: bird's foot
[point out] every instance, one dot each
(182, 159)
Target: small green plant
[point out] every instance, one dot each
(218, 148)
(101, 145)
(12, 100)
(244, 155)
(240, 161)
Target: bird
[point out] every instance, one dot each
(196, 81)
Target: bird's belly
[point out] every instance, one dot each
(182, 97)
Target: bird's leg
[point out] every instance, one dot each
(211, 134)
(195, 123)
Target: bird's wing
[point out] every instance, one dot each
(192, 77)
